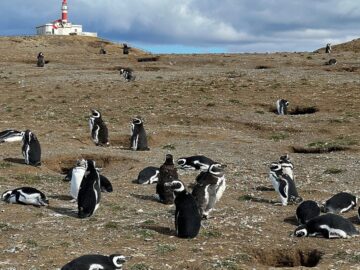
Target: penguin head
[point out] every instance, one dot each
(90, 164)
(169, 159)
(5, 196)
(285, 158)
(95, 114)
(81, 163)
(276, 168)
(181, 161)
(176, 186)
(118, 260)
(28, 136)
(301, 231)
(137, 120)
(217, 169)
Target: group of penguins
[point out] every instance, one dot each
(86, 185)
(311, 223)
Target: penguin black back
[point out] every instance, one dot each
(306, 211)
(187, 216)
(340, 203)
(138, 140)
(167, 173)
(31, 149)
(89, 193)
(195, 163)
(96, 262)
(98, 129)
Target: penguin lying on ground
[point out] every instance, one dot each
(187, 216)
(25, 195)
(148, 175)
(195, 163)
(306, 211)
(340, 203)
(96, 262)
(11, 135)
(328, 226)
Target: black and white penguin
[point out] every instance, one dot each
(128, 75)
(284, 185)
(306, 211)
(138, 140)
(31, 149)
(281, 106)
(287, 166)
(78, 173)
(148, 175)
(328, 48)
(98, 129)
(195, 163)
(11, 135)
(96, 262)
(89, 193)
(167, 174)
(340, 203)
(25, 195)
(331, 62)
(187, 216)
(40, 60)
(328, 226)
(209, 188)
(105, 184)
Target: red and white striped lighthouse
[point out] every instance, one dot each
(64, 12)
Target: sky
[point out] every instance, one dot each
(198, 26)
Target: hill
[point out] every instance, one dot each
(350, 46)
(217, 105)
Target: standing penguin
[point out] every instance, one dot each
(209, 188)
(98, 129)
(25, 195)
(187, 216)
(284, 185)
(138, 140)
(167, 174)
(195, 163)
(96, 262)
(31, 149)
(340, 203)
(77, 176)
(281, 106)
(40, 60)
(328, 226)
(89, 194)
(306, 211)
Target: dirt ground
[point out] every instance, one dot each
(216, 105)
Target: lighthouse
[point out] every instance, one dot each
(64, 12)
(63, 26)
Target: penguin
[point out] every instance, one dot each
(284, 185)
(187, 216)
(148, 175)
(167, 173)
(96, 262)
(105, 184)
(328, 48)
(78, 173)
(25, 195)
(98, 129)
(11, 135)
(128, 75)
(328, 226)
(306, 211)
(287, 166)
(40, 60)
(138, 140)
(195, 163)
(31, 149)
(340, 203)
(209, 188)
(331, 62)
(89, 193)
(281, 106)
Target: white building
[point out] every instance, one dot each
(62, 26)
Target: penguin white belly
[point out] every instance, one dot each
(76, 178)
(288, 171)
(284, 200)
(26, 154)
(334, 233)
(154, 178)
(274, 182)
(34, 198)
(206, 211)
(221, 188)
(12, 199)
(347, 208)
(96, 266)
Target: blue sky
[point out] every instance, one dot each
(198, 26)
